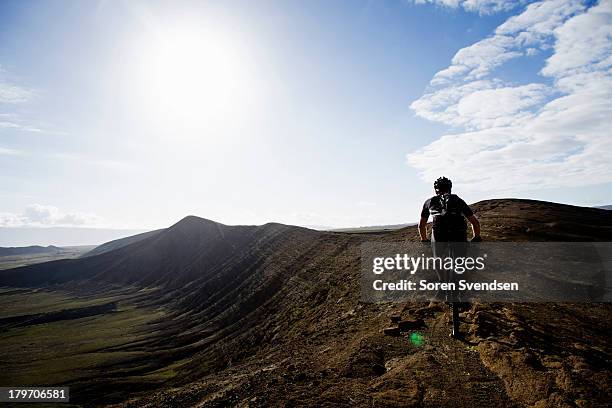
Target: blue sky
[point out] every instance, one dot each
(135, 114)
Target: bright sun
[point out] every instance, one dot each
(192, 77)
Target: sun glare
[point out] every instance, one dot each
(191, 77)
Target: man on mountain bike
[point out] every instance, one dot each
(449, 213)
(449, 230)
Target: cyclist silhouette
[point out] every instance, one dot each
(449, 230)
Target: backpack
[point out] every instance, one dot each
(447, 215)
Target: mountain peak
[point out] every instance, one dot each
(193, 220)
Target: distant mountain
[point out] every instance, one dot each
(194, 246)
(605, 207)
(29, 250)
(318, 227)
(23, 257)
(373, 228)
(60, 236)
(121, 242)
(169, 257)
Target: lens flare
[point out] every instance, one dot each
(417, 339)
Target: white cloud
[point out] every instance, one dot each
(19, 126)
(505, 106)
(479, 6)
(583, 44)
(540, 19)
(37, 215)
(481, 104)
(519, 36)
(529, 136)
(9, 152)
(477, 60)
(11, 93)
(88, 160)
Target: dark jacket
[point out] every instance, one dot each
(449, 212)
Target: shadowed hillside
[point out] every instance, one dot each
(121, 242)
(217, 315)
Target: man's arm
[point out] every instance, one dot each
(423, 221)
(475, 225)
(423, 228)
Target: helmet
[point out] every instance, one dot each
(443, 184)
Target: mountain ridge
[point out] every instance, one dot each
(186, 238)
(120, 242)
(180, 243)
(28, 250)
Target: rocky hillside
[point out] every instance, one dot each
(271, 315)
(121, 242)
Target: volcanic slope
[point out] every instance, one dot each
(121, 242)
(270, 315)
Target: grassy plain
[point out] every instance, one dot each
(75, 351)
(15, 261)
